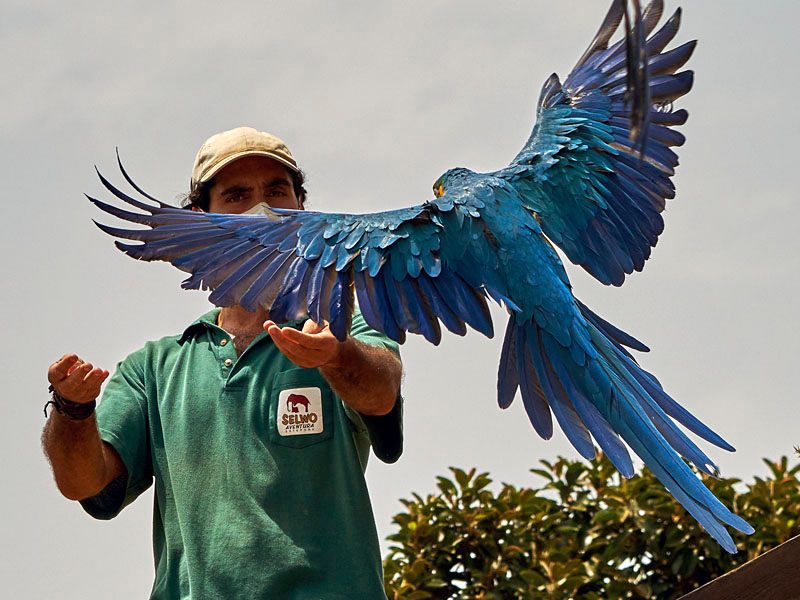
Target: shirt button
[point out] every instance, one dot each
(224, 342)
(228, 362)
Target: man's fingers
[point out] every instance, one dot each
(299, 355)
(83, 383)
(313, 327)
(96, 375)
(313, 335)
(64, 363)
(284, 343)
(295, 340)
(319, 340)
(76, 365)
(302, 348)
(77, 374)
(92, 382)
(59, 369)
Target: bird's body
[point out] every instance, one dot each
(592, 179)
(510, 257)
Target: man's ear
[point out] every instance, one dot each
(196, 208)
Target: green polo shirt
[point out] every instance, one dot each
(258, 468)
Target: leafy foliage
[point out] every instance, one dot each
(585, 532)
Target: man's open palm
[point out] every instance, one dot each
(314, 346)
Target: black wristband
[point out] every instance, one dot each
(74, 411)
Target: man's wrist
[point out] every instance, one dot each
(346, 352)
(72, 411)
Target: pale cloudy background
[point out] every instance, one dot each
(376, 99)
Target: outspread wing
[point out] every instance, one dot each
(598, 194)
(409, 269)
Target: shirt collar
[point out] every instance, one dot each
(209, 319)
(201, 322)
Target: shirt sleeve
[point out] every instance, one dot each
(385, 431)
(122, 421)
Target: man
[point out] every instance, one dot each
(256, 434)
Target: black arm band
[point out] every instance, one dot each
(74, 411)
(386, 433)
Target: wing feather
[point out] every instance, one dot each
(599, 194)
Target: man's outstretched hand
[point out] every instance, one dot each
(314, 346)
(76, 380)
(366, 377)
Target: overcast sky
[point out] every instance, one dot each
(376, 100)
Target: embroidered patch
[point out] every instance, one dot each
(300, 411)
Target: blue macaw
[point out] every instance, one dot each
(592, 179)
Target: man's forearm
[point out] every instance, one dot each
(366, 377)
(82, 463)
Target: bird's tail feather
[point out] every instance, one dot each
(597, 390)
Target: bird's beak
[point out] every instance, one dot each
(440, 191)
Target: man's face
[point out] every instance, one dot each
(250, 180)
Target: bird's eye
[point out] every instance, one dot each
(438, 189)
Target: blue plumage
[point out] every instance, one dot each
(593, 179)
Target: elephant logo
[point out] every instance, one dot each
(294, 401)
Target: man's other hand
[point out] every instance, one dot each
(76, 380)
(314, 346)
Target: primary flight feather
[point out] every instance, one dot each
(592, 178)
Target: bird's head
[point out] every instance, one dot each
(451, 178)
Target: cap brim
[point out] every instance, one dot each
(234, 157)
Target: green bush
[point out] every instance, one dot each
(584, 533)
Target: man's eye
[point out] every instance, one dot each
(275, 193)
(234, 198)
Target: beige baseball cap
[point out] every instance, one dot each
(223, 148)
